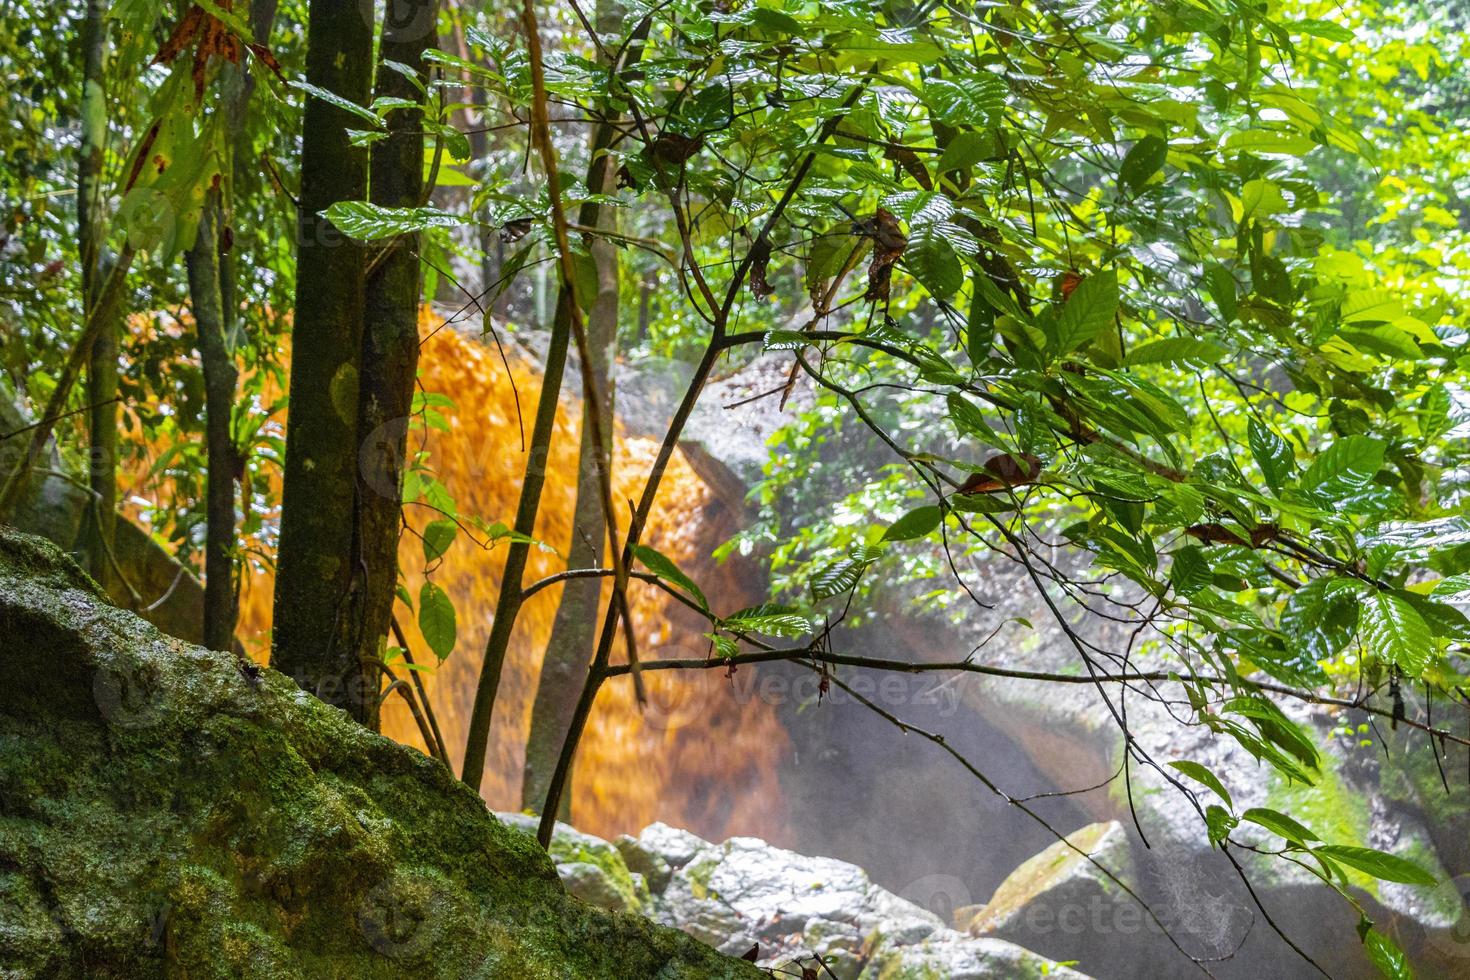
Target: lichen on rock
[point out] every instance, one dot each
(166, 810)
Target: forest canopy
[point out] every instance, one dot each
(1158, 306)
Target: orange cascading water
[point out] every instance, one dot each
(698, 756)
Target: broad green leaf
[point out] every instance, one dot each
(1145, 159)
(1272, 454)
(1177, 350)
(840, 576)
(1325, 29)
(1200, 774)
(915, 524)
(438, 536)
(1088, 312)
(932, 259)
(1219, 822)
(437, 620)
(1394, 631)
(1279, 824)
(1344, 468)
(1378, 864)
(331, 98)
(974, 101)
(769, 619)
(1386, 955)
(662, 566)
(370, 223)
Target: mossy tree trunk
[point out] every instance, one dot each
(390, 331)
(319, 581)
(206, 298)
(102, 375)
(212, 291)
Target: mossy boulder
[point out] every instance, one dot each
(171, 811)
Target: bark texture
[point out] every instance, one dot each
(390, 351)
(318, 581)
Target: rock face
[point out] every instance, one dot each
(799, 912)
(1046, 903)
(169, 811)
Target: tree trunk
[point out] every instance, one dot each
(206, 297)
(318, 578)
(101, 389)
(508, 603)
(212, 294)
(569, 650)
(390, 352)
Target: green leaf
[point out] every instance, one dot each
(1220, 284)
(1272, 454)
(331, 98)
(1145, 159)
(1394, 631)
(1176, 350)
(1386, 955)
(1325, 29)
(1378, 864)
(1344, 468)
(436, 620)
(438, 536)
(369, 222)
(769, 619)
(1200, 774)
(1088, 312)
(840, 576)
(915, 524)
(660, 565)
(1279, 824)
(932, 259)
(1189, 570)
(975, 101)
(1219, 822)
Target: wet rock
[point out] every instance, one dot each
(955, 956)
(654, 868)
(1059, 881)
(591, 868)
(167, 813)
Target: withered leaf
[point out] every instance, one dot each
(514, 231)
(674, 148)
(1001, 471)
(760, 260)
(1214, 534)
(888, 245)
(909, 161)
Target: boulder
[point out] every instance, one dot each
(171, 811)
(1060, 880)
(798, 911)
(955, 956)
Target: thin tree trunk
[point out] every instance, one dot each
(206, 290)
(390, 338)
(569, 650)
(318, 576)
(508, 602)
(101, 388)
(212, 293)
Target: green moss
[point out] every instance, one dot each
(167, 816)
